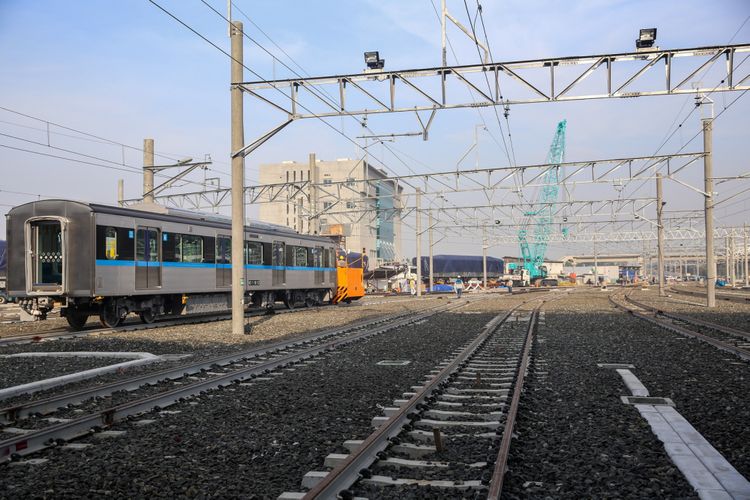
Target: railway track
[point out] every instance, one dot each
(738, 297)
(65, 333)
(723, 337)
(444, 435)
(181, 383)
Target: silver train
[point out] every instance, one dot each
(111, 261)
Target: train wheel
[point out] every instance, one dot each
(109, 318)
(289, 302)
(309, 302)
(148, 316)
(76, 320)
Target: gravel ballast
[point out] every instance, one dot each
(254, 441)
(576, 439)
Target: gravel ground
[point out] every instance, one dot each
(732, 314)
(577, 440)
(208, 340)
(251, 441)
(17, 371)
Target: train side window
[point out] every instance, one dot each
(110, 243)
(191, 248)
(168, 247)
(316, 256)
(209, 251)
(253, 253)
(125, 247)
(267, 254)
(300, 257)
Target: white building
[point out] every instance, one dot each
(344, 197)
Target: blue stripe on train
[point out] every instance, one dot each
(198, 265)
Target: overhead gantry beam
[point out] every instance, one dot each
(623, 75)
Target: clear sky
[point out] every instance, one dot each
(125, 70)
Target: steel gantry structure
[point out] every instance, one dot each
(434, 89)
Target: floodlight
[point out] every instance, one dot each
(646, 38)
(373, 60)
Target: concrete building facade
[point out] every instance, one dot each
(345, 197)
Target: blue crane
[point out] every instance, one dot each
(537, 225)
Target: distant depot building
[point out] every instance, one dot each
(352, 199)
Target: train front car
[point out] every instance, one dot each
(350, 269)
(50, 249)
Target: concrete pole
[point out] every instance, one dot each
(596, 265)
(733, 276)
(708, 187)
(660, 234)
(484, 259)
(120, 191)
(744, 234)
(444, 54)
(429, 233)
(314, 180)
(148, 174)
(238, 184)
(419, 243)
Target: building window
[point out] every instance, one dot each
(350, 181)
(327, 205)
(323, 222)
(326, 182)
(351, 204)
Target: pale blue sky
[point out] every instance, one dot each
(125, 70)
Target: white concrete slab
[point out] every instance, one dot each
(634, 385)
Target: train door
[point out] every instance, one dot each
(320, 274)
(46, 254)
(277, 263)
(223, 261)
(147, 258)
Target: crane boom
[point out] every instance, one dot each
(534, 245)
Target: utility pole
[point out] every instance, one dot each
(148, 173)
(419, 243)
(708, 187)
(744, 234)
(429, 233)
(442, 41)
(733, 274)
(238, 184)
(484, 258)
(596, 265)
(660, 233)
(120, 191)
(314, 179)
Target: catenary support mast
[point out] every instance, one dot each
(238, 185)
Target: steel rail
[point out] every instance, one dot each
(168, 321)
(16, 412)
(742, 353)
(498, 475)
(348, 471)
(687, 319)
(38, 440)
(730, 297)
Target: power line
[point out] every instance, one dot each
(94, 138)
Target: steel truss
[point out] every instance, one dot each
(488, 181)
(429, 89)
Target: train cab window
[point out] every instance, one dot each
(300, 257)
(110, 243)
(253, 253)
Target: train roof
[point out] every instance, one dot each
(159, 212)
